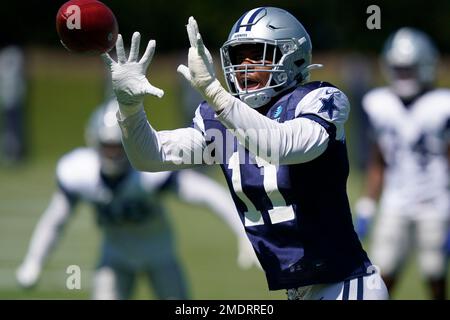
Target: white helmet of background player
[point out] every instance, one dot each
(280, 39)
(410, 59)
(103, 133)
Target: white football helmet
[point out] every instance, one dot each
(409, 60)
(281, 38)
(103, 134)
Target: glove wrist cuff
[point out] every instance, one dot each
(216, 96)
(126, 111)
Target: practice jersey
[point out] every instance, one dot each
(414, 141)
(130, 205)
(296, 216)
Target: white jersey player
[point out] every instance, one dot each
(137, 236)
(409, 165)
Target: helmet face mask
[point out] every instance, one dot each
(405, 81)
(408, 72)
(104, 135)
(285, 54)
(271, 63)
(113, 159)
(251, 65)
(409, 61)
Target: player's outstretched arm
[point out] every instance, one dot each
(200, 70)
(128, 75)
(366, 206)
(295, 141)
(44, 238)
(147, 149)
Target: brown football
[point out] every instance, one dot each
(87, 26)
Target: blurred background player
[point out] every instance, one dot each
(356, 74)
(12, 103)
(408, 169)
(137, 236)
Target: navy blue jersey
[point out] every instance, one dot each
(297, 216)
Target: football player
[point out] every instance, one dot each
(137, 236)
(13, 84)
(408, 170)
(280, 141)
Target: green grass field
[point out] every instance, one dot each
(64, 89)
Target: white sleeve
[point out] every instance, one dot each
(197, 188)
(48, 229)
(151, 150)
(294, 141)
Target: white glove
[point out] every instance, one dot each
(128, 76)
(28, 274)
(200, 72)
(246, 255)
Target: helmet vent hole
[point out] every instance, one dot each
(299, 63)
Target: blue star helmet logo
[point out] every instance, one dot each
(328, 106)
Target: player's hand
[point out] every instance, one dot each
(128, 75)
(246, 255)
(200, 70)
(28, 274)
